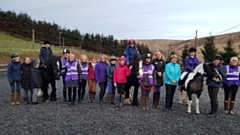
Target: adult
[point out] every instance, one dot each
(191, 62)
(159, 68)
(214, 84)
(101, 76)
(131, 50)
(173, 72)
(45, 52)
(92, 84)
(110, 72)
(64, 60)
(231, 85)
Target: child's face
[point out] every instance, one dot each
(148, 60)
(27, 61)
(192, 53)
(84, 59)
(17, 59)
(65, 55)
(72, 57)
(113, 62)
(122, 62)
(47, 45)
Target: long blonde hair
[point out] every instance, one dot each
(82, 56)
(162, 56)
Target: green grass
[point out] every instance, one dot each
(10, 44)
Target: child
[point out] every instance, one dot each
(25, 68)
(14, 78)
(130, 51)
(91, 79)
(101, 76)
(35, 81)
(72, 79)
(120, 79)
(111, 87)
(146, 81)
(64, 61)
(84, 77)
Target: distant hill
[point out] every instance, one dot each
(167, 46)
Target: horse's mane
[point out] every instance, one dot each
(199, 68)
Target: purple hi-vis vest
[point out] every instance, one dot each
(84, 69)
(72, 71)
(148, 72)
(232, 76)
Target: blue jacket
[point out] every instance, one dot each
(45, 54)
(210, 82)
(14, 72)
(130, 52)
(191, 63)
(101, 72)
(173, 72)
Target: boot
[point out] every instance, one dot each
(211, 111)
(146, 103)
(112, 98)
(90, 97)
(154, 99)
(17, 98)
(12, 98)
(93, 96)
(231, 108)
(64, 95)
(214, 111)
(119, 101)
(157, 100)
(109, 98)
(226, 104)
(143, 103)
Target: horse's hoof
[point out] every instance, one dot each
(188, 112)
(47, 100)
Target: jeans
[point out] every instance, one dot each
(15, 86)
(170, 90)
(111, 88)
(230, 92)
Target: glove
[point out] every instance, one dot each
(10, 82)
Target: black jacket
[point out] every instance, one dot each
(35, 77)
(45, 54)
(25, 68)
(159, 66)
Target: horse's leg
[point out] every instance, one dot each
(45, 91)
(135, 95)
(197, 102)
(180, 97)
(126, 94)
(189, 102)
(53, 93)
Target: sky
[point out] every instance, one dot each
(137, 19)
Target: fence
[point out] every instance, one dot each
(3, 67)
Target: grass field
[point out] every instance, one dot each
(10, 44)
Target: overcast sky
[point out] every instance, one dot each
(138, 19)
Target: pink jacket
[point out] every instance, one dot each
(121, 73)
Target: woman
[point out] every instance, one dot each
(159, 67)
(214, 84)
(231, 85)
(110, 73)
(84, 77)
(101, 76)
(91, 79)
(146, 81)
(25, 69)
(173, 72)
(72, 78)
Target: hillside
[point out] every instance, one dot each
(167, 46)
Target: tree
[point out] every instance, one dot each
(209, 50)
(228, 52)
(184, 54)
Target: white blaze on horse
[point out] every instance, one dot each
(194, 83)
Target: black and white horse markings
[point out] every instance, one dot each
(51, 73)
(194, 82)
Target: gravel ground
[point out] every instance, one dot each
(90, 118)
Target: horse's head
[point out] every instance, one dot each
(208, 70)
(137, 65)
(54, 65)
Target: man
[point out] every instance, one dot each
(45, 53)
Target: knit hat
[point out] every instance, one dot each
(131, 41)
(46, 42)
(124, 59)
(218, 57)
(14, 55)
(234, 59)
(112, 58)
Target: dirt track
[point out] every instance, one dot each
(89, 118)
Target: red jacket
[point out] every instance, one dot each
(120, 74)
(91, 70)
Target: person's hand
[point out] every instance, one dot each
(174, 81)
(130, 67)
(216, 79)
(115, 84)
(159, 74)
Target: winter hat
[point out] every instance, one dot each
(192, 49)
(218, 57)
(46, 42)
(14, 55)
(234, 59)
(124, 59)
(112, 58)
(131, 41)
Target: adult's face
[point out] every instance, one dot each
(234, 63)
(113, 62)
(158, 55)
(217, 62)
(27, 61)
(174, 60)
(103, 59)
(47, 45)
(72, 57)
